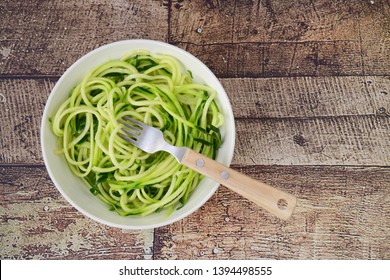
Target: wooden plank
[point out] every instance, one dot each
(49, 39)
(342, 213)
(284, 38)
(280, 121)
(336, 58)
(37, 223)
(297, 97)
(362, 140)
(269, 21)
(374, 36)
(22, 104)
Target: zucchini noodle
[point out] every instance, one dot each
(151, 88)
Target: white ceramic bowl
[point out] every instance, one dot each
(74, 189)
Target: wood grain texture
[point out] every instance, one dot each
(21, 108)
(301, 121)
(284, 38)
(310, 89)
(269, 21)
(49, 39)
(308, 97)
(281, 59)
(340, 214)
(37, 223)
(319, 141)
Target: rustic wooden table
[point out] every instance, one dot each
(310, 87)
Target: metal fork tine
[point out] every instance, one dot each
(131, 133)
(141, 124)
(147, 138)
(132, 127)
(130, 140)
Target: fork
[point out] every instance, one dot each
(151, 140)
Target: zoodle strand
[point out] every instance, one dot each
(151, 88)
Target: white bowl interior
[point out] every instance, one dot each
(75, 190)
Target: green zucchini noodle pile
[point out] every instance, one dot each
(154, 89)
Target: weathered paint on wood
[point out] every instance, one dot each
(46, 37)
(341, 214)
(37, 223)
(309, 85)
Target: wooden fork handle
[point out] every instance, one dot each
(275, 201)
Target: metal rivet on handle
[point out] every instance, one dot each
(200, 162)
(224, 175)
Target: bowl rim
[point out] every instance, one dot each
(80, 60)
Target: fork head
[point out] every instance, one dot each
(145, 137)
